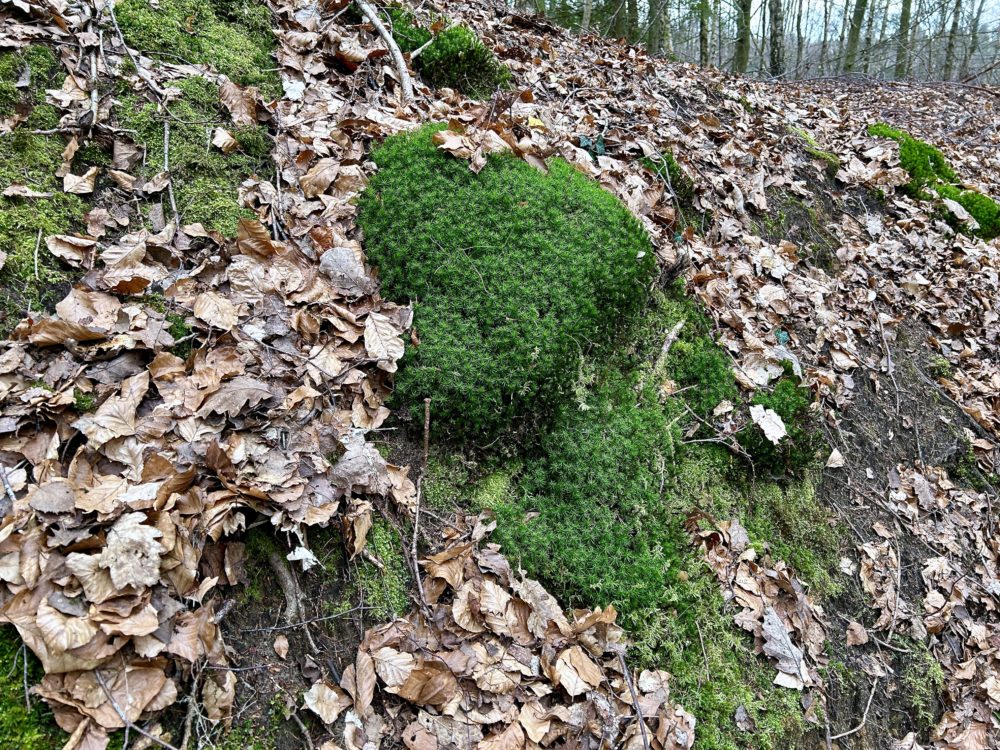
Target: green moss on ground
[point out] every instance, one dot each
(384, 591)
(21, 727)
(233, 36)
(923, 682)
(33, 281)
(812, 147)
(798, 450)
(514, 274)
(456, 58)
(931, 174)
(205, 180)
(596, 511)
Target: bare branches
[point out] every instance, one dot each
(397, 56)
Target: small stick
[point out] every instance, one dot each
(635, 698)
(704, 653)
(143, 73)
(416, 512)
(288, 587)
(38, 244)
(10, 498)
(419, 50)
(864, 718)
(397, 55)
(166, 168)
(124, 718)
(24, 675)
(305, 732)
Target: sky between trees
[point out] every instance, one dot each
(953, 40)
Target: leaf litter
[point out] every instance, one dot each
(293, 348)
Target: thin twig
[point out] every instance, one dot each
(864, 718)
(24, 675)
(635, 698)
(305, 732)
(143, 73)
(416, 512)
(38, 244)
(124, 718)
(166, 168)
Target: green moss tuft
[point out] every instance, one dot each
(929, 170)
(798, 449)
(233, 36)
(205, 180)
(457, 59)
(923, 681)
(83, 402)
(383, 591)
(812, 147)
(20, 727)
(406, 29)
(513, 273)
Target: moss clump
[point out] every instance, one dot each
(797, 450)
(513, 273)
(929, 170)
(205, 180)
(20, 727)
(923, 681)
(233, 36)
(32, 281)
(384, 591)
(812, 147)
(456, 58)
(83, 402)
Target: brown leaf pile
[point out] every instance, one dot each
(787, 626)
(493, 663)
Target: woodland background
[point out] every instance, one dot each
(925, 40)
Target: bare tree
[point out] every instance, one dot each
(741, 54)
(776, 62)
(857, 18)
(949, 52)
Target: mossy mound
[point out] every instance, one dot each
(931, 174)
(233, 36)
(514, 274)
(205, 180)
(456, 58)
(33, 280)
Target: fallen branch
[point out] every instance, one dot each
(419, 50)
(864, 718)
(416, 512)
(397, 55)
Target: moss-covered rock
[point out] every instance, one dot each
(514, 274)
(233, 36)
(205, 180)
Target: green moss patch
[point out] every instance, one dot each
(205, 180)
(456, 58)
(21, 727)
(812, 147)
(931, 174)
(669, 172)
(383, 588)
(33, 280)
(233, 36)
(514, 274)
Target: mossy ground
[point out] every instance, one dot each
(811, 146)
(233, 36)
(33, 280)
(596, 511)
(205, 180)
(931, 174)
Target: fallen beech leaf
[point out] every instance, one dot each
(856, 634)
(132, 554)
(326, 701)
(281, 646)
(216, 310)
(223, 140)
(836, 460)
(16, 190)
(80, 184)
(769, 422)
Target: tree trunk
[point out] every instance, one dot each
(588, 8)
(868, 37)
(857, 18)
(704, 24)
(632, 24)
(973, 46)
(800, 40)
(825, 46)
(718, 32)
(654, 34)
(776, 65)
(741, 54)
(949, 53)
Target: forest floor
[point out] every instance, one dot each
(216, 534)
